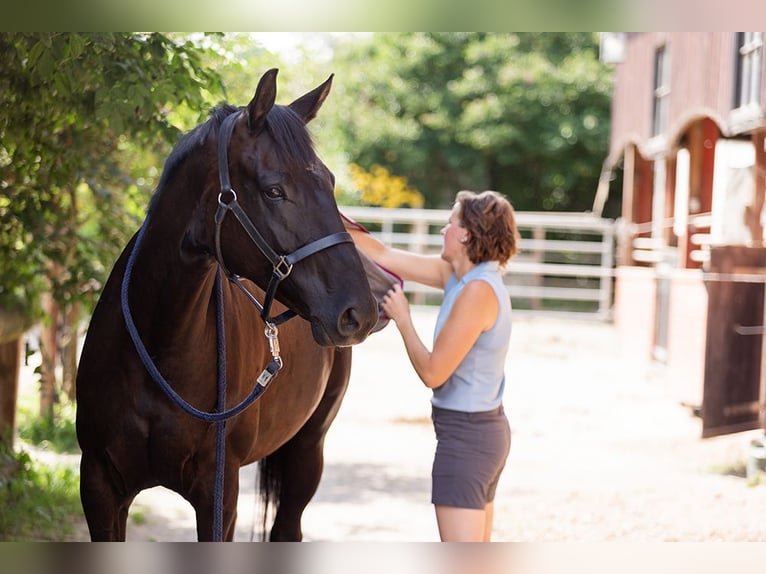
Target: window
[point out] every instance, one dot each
(661, 91)
(749, 68)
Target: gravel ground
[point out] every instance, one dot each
(601, 451)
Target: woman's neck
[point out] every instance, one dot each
(462, 266)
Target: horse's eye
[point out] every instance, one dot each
(274, 192)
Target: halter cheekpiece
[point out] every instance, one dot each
(282, 265)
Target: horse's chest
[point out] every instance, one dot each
(292, 399)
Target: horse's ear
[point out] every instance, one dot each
(308, 104)
(263, 100)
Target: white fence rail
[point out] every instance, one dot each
(564, 265)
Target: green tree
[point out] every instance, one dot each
(526, 114)
(76, 111)
(80, 113)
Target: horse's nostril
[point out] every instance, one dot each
(355, 323)
(349, 322)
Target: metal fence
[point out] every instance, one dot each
(565, 264)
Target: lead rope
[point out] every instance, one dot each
(220, 439)
(267, 375)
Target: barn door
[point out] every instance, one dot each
(732, 393)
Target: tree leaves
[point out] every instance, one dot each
(80, 114)
(526, 114)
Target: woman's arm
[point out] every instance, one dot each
(429, 270)
(475, 311)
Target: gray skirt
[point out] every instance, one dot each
(471, 450)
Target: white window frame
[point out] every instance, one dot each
(749, 69)
(747, 113)
(661, 93)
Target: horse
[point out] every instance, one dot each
(185, 375)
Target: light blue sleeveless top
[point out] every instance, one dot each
(479, 380)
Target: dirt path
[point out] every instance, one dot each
(601, 451)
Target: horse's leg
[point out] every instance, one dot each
(105, 502)
(202, 497)
(301, 459)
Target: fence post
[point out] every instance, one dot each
(418, 244)
(538, 256)
(605, 282)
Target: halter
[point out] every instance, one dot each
(282, 265)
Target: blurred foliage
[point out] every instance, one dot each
(38, 502)
(526, 114)
(380, 188)
(56, 434)
(83, 117)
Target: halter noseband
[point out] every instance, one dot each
(282, 265)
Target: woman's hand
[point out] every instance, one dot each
(395, 304)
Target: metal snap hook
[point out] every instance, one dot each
(272, 335)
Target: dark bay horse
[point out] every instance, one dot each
(243, 197)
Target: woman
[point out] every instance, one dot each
(465, 367)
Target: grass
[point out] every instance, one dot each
(737, 469)
(39, 502)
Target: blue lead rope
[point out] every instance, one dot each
(220, 440)
(272, 368)
(222, 414)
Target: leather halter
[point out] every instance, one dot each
(282, 265)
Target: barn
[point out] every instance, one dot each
(687, 166)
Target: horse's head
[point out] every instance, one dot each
(280, 186)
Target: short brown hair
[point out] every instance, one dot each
(490, 221)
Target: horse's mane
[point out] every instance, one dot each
(287, 129)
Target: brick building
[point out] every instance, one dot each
(687, 158)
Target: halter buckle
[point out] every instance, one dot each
(282, 268)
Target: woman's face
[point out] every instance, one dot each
(454, 236)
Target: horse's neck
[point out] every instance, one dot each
(174, 302)
(171, 276)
